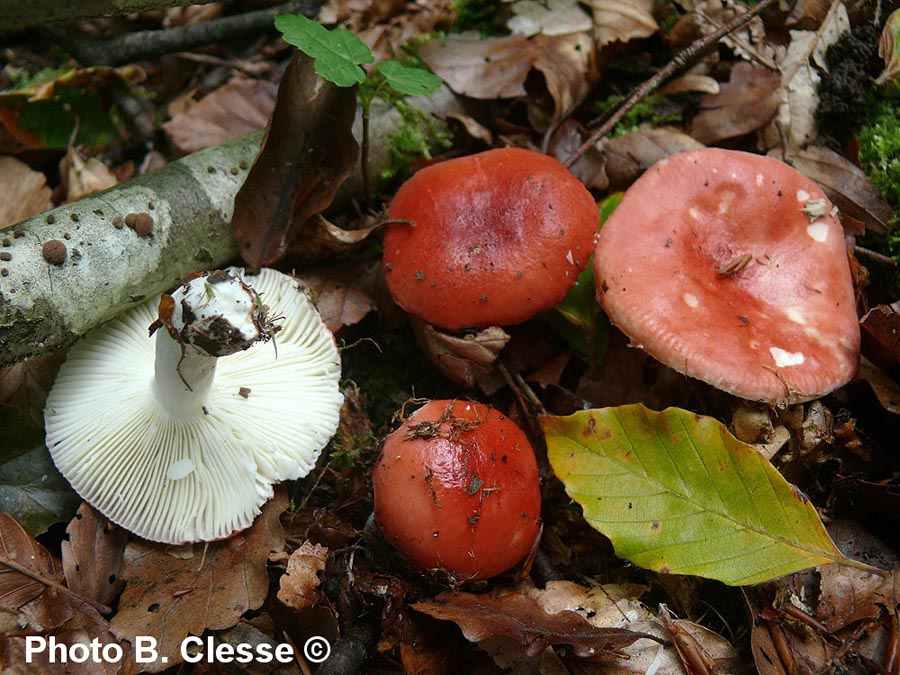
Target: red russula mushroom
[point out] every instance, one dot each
(457, 488)
(732, 268)
(494, 239)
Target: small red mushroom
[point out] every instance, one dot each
(732, 268)
(493, 238)
(457, 488)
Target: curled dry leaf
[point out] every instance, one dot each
(499, 68)
(321, 238)
(25, 192)
(702, 650)
(240, 107)
(590, 168)
(20, 549)
(343, 295)
(881, 331)
(622, 20)
(92, 556)
(308, 152)
(795, 121)
(170, 598)
(463, 359)
(886, 390)
(845, 184)
(889, 49)
(516, 615)
(299, 585)
(747, 102)
(84, 176)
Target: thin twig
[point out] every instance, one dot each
(874, 255)
(681, 59)
(31, 574)
(147, 44)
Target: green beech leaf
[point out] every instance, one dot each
(409, 80)
(677, 493)
(337, 53)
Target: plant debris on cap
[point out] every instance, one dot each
(732, 268)
(163, 439)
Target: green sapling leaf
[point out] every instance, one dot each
(409, 80)
(337, 53)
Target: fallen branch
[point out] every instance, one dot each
(15, 15)
(147, 44)
(106, 265)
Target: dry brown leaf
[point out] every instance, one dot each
(703, 649)
(320, 238)
(629, 155)
(887, 49)
(845, 184)
(590, 168)
(484, 69)
(548, 17)
(240, 107)
(794, 125)
(462, 359)
(299, 585)
(622, 20)
(29, 607)
(20, 549)
(170, 598)
(748, 42)
(308, 152)
(745, 103)
(568, 65)
(25, 192)
(499, 67)
(84, 176)
(92, 556)
(343, 296)
(514, 614)
(881, 334)
(26, 384)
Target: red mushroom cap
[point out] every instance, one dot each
(498, 237)
(732, 268)
(457, 488)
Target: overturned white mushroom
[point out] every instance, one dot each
(180, 437)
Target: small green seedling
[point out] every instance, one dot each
(339, 55)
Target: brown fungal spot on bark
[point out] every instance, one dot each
(54, 252)
(118, 222)
(4, 272)
(244, 392)
(17, 234)
(75, 217)
(6, 257)
(243, 164)
(50, 219)
(142, 223)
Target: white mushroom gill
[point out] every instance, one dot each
(177, 463)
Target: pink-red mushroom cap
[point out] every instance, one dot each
(732, 268)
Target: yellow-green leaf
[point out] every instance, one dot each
(677, 493)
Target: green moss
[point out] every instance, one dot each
(418, 134)
(477, 15)
(879, 155)
(654, 109)
(879, 151)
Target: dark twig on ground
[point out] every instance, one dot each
(350, 652)
(681, 59)
(149, 44)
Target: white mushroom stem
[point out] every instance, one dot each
(212, 316)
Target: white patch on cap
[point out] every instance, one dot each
(795, 315)
(802, 196)
(754, 344)
(784, 358)
(570, 258)
(694, 213)
(818, 231)
(759, 180)
(180, 469)
(690, 300)
(727, 197)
